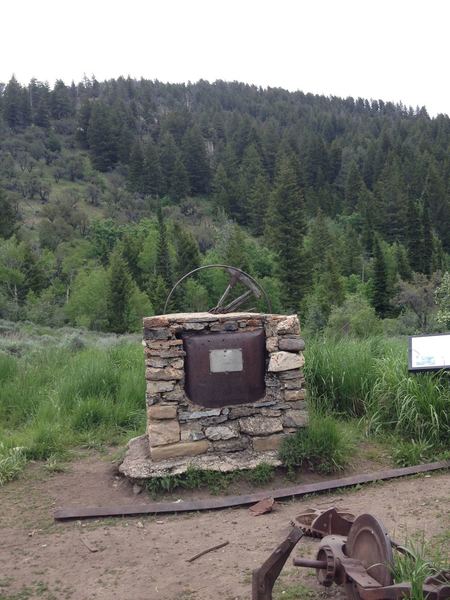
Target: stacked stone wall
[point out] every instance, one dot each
(177, 427)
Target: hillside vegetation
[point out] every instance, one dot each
(111, 190)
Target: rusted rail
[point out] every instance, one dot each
(80, 512)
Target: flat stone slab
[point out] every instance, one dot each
(137, 463)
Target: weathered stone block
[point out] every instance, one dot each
(242, 411)
(156, 334)
(191, 433)
(178, 363)
(157, 362)
(272, 344)
(285, 361)
(164, 374)
(293, 384)
(295, 418)
(221, 432)
(294, 395)
(259, 425)
(156, 322)
(288, 325)
(162, 411)
(163, 432)
(194, 326)
(180, 449)
(199, 414)
(156, 387)
(269, 442)
(291, 344)
(287, 375)
(176, 395)
(233, 445)
(230, 326)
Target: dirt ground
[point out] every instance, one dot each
(144, 558)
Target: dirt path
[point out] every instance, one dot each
(145, 558)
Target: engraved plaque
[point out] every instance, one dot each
(225, 360)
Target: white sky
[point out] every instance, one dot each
(395, 50)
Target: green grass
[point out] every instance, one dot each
(54, 399)
(324, 446)
(415, 568)
(369, 379)
(12, 463)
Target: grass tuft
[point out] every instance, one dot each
(324, 446)
(12, 463)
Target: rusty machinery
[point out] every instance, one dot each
(356, 554)
(236, 276)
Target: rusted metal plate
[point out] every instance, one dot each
(225, 368)
(79, 512)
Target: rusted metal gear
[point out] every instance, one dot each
(330, 521)
(326, 576)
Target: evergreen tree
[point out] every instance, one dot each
(286, 228)
(163, 261)
(196, 161)
(380, 297)
(136, 169)
(101, 138)
(16, 107)
(179, 183)
(60, 103)
(188, 255)
(152, 177)
(258, 201)
(157, 292)
(427, 248)
(118, 294)
(8, 216)
(415, 236)
(33, 277)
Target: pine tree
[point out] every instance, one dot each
(179, 184)
(380, 298)
(136, 169)
(415, 236)
(118, 294)
(33, 277)
(196, 161)
(8, 216)
(427, 248)
(188, 255)
(163, 261)
(101, 137)
(157, 293)
(286, 228)
(152, 177)
(60, 101)
(258, 201)
(16, 107)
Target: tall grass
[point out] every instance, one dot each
(369, 378)
(56, 398)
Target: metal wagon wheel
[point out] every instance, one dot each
(254, 289)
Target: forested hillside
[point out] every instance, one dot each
(109, 191)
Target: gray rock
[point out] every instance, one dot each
(194, 326)
(188, 416)
(295, 418)
(221, 432)
(230, 326)
(156, 334)
(259, 425)
(285, 361)
(291, 344)
(233, 445)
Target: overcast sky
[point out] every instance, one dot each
(395, 50)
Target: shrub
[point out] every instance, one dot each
(324, 446)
